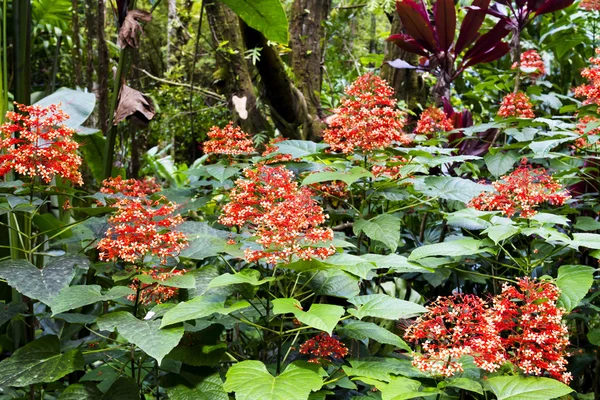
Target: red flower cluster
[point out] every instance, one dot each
(433, 120)
(590, 5)
(44, 147)
(524, 326)
(155, 292)
(521, 191)
(591, 92)
(581, 127)
(391, 169)
(285, 217)
(531, 328)
(368, 119)
(142, 226)
(516, 105)
(130, 187)
(453, 327)
(229, 140)
(531, 59)
(271, 148)
(323, 347)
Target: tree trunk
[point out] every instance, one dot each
(76, 49)
(233, 68)
(307, 30)
(102, 70)
(171, 18)
(90, 28)
(407, 83)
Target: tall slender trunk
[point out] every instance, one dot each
(22, 51)
(171, 19)
(90, 28)
(102, 70)
(76, 48)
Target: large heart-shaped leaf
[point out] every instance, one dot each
(384, 306)
(73, 297)
(384, 228)
(526, 388)
(199, 307)
(368, 330)
(574, 281)
(266, 16)
(320, 316)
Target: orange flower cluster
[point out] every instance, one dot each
(516, 105)
(453, 327)
(391, 169)
(523, 326)
(433, 120)
(591, 92)
(581, 127)
(230, 141)
(155, 292)
(531, 59)
(271, 148)
(142, 226)
(590, 5)
(531, 328)
(130, 187)
(368, 119)
(285, 218)
(322, 348)
(521, 191)
(44, 147)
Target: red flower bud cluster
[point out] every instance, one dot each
(391, 169)
(284, 217)
(130, 187)
(278, 158)
(322, 348)
(522, 191)
(531, 59)
(433, 120)
(590, 5)
(142, 226)
(38, 144)
(368, 119)
(581, 127)
(229, 141)
(523, 326)
(591, 91)
(155, 292)
(516, 105)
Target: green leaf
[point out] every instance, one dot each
(462, 383)
(186, 281)
(266, 16)
(500, 163)
(300, 148)
(248, 276)
(526, 388)
(368, 330)
(221, 172)
(73, 297)
(401, 388)
(39, 361)
(123, 389)
(454, 248)
(498, 233)
(384, 306)
(335, 283)
(199, 307)
(209, 388)
(349, 177)
(320, 316)
(384, 228)
(468, 218)
(41, 284)
(77, 104)
(587, 224)
(593, 337)
(574, 281)
(250, 380)
(449, 188)
(589, 240)
(204, 240)
(11, 310)
(92, 147)
(395, 262)
(147, 335)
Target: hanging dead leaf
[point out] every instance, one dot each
(132, 29)
(133, 103)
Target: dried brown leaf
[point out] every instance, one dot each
(132, 29)
(133, 103)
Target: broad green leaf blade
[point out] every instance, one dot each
(500, 163)
(348, 177)
(247, 276)
(368, 330)
(92, 148)
(300, 148)
(81, 391)
(199, 307)
(384, 306)
(450, 188)
(320, 316)
(73, 297)
(147, 335)
(39, 361)
(454, 248)
(395, 262)
(462, 383)
(526, 388)
(574, 281)
(78, 105)
(382, 368)
(587, 224)
(209, 388)
(384, 228)
(123, 389)
(335, 283)
(250, 380)
(589, 240)
(204, 240)
(498, 233)
(11, 310)
(401, 388)
(266, 16)
(185, 281)
(221, 172)
(41, 284)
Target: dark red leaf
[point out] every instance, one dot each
(553, 5)
(488, 41)
(415, 21)
(493, 54)
(445, 22)
(407, 43)
(470, 26)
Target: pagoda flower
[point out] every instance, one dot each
(323, 348)
(285, 218)
(433, 120)
(36, 143)
(531, 60)
(591, 91)
(142, 227)
(148, 293)
(521, 192)
(130, 187)
(590, 5)
(582, 129)
(229, 141)
(367, 119)
(516, 105)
